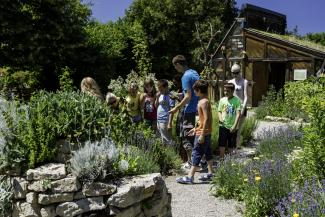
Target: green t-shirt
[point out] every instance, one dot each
(229, 109)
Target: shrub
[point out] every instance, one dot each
(272, 104)
(51, 116)
(6, 196)
(268, 181)
(279, 142)
(229, 179)
(95, 160)
(308, 200)
(135, 161)
(246, 134)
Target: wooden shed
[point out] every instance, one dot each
(266, 58)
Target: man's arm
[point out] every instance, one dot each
(186, 99)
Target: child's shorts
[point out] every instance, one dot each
(227, 138)
(201, 149)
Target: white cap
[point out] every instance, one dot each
(235, 68)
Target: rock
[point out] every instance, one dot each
(69, 184)
(50, 171)
(39, 186)
(136, 190)
(46, 199)
(48, 211)
(78, 195)
(19, 187)
(157, 204)
(133, 210)
(23, 209)
(98, 189)
(31, 198)
(70, 209)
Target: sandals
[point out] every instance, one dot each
(185, 180)
(206, 177)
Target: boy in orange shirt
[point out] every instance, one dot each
(202, 135)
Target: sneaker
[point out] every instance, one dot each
(185, 180)
(206, 177)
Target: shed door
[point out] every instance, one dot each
(277, 72)
(260, 79)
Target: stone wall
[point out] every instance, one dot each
(48, 191)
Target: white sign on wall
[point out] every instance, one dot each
(299, 74)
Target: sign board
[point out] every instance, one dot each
(299, 74)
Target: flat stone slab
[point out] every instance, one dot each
(69, 184)
(136, 189)
(46, 199)
(24, 209)
(50, 171)
(98, 189)
(70, 209)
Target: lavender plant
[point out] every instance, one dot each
(6, 196)
(308, 200)
(95, 160)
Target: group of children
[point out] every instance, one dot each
(151, 106)
(157, 106)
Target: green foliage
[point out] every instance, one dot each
(95, 161)
(51, 116)
(272, 104)
(20, 83)
(229, 179)
(66, 82)
(6, 196)
(169, 26)
(246, 134)
(319, 38)
(44, 35)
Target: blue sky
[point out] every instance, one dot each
(308, 15)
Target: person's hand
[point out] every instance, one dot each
(232, 129)
(201, 139)
(173, 111)
(191, 132)
(158, 94)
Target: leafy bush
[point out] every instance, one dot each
(308, 200)
(229, 179)
(246, 134)
(268, 181)
(6, 196)
(272, 104)
(51, 116)
(95, 160)
(136, 161)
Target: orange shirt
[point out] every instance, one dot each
(198, 130)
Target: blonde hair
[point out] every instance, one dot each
(110, 96)
(89, 85)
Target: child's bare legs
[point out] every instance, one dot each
(192, 171)
(210, 164)
(222, 152)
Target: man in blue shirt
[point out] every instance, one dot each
(190, 101)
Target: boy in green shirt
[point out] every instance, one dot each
(228, 112)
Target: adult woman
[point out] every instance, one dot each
(241, 85)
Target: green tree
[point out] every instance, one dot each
(42, 35)
(317, 37)
(170, 27)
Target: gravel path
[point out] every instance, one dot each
(196, 200)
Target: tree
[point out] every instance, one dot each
(170, 27)
(42, 36)
(318, 38)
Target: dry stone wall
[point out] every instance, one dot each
(48, 191)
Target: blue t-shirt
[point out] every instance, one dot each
(165, 104)
(189, 78)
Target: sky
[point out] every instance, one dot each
(308, 15)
